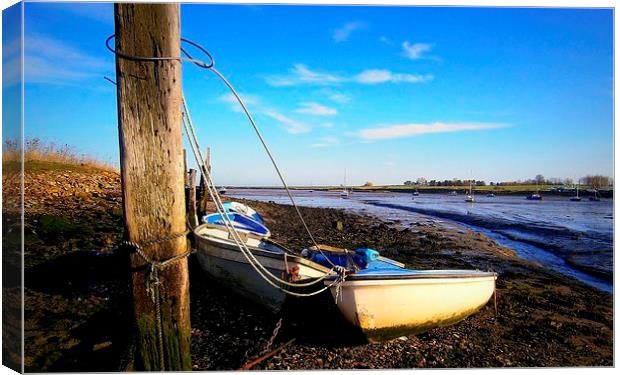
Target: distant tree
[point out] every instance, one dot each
(407, 183)
(368, 183)
(421, 181)
(597, 181)
(539, 179)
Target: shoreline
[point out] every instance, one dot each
(461, 190)
(77, 284)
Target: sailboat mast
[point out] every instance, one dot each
(577, 187)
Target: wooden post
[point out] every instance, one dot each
(151, 149)
(204, 195)
(192, 216)
(185, 175)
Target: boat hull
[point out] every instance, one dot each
(223, 261)
(385, 308)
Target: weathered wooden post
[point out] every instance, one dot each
(204, 195)
(192, 215)
(185, 175)
(149, 117)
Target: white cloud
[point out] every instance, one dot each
(415, 51)
(326, 142)
(335, 96)
(48, 60)
(290, 125)
(248, 99)
(386, 40)
(343, 33)
(301, 74)
(11, 62)
(411, 130)
(316, 109)
(374, 76)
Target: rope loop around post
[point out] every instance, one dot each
(189, 58)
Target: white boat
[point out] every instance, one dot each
(220, 257)
(396, 302)
(344, 193)
(222, 190)
(576, 198)
(470, 197)
(535, 196)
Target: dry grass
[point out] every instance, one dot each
(38, 153)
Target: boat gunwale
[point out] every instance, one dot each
(418, 276)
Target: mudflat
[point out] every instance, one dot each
(78, 315)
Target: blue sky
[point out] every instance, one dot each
(387, 93)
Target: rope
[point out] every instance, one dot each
(196, 62)
(211, 66)
(260, 269)
(153, 282)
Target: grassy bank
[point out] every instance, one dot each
(499, 190)
(47, 156)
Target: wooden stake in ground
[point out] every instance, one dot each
(192, 215)
(149, 117)
(204, 195)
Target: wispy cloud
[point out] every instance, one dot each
(316, 109)
(301, 74)
(290, 125)
(374, 76)
(343, 33)
(335, 96)
(11, 62)
(327, 141)
(48, 60)
(415, 51)
(386, 40)
(411, 130)
(248, 99)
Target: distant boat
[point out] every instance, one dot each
(222, 190)
(576, 197)
(490, 195)
(453, 192)
(344, 194)
(535, 196)
(470, 197)
(416, 193)
(596, 197)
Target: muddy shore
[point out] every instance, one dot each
(77, 313)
